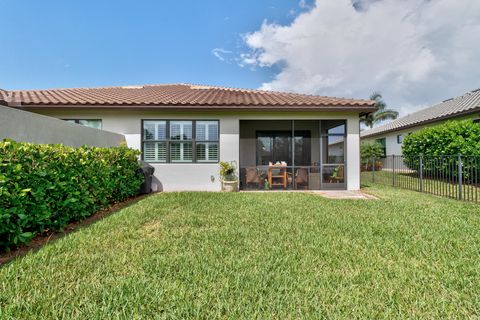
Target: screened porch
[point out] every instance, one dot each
(292, 154)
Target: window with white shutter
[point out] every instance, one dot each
(206, 141)
(180, 141)
(155, 141)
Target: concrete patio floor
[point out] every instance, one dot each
(345, 194)
(330, 194)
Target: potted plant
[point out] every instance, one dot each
(228, 176)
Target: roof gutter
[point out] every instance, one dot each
(200, 107)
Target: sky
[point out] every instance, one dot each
(415, 52)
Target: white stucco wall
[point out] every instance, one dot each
(204, 177)
(391, 145)
(353, 153)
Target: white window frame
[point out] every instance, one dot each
(168, 141)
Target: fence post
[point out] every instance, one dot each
(393, 169)
(373, 169)
(421, 173)
(460, 178)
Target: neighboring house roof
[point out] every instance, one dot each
(181, 95)
(3, 97)
(463, 105)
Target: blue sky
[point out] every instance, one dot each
(415, 52)
(58, 43)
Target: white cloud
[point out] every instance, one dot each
(220, 53)
(416, 52)
(304, 5)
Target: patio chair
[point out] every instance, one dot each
(252, 177)
(301, 178)
(277, 175)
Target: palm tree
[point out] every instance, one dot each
(382, 112)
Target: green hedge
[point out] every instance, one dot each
(440, 146)
(44, 187)
(449, 138)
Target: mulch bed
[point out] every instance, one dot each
(42, 239)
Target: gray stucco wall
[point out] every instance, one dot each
(25, 126)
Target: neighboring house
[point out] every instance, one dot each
(391, 135)
(184, 130)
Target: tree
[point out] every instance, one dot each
(370, 152)
(382, 112)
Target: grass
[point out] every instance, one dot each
(436, 186)
(258, 255)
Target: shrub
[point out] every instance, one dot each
(449, 138)
(44, 187)
(368, 152)
(440, 145)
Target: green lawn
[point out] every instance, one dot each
(433, 186)
(258, 255)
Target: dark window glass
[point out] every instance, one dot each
(95, 123)
(400, 138)
(276, 146)
(383, 143)
(334, 149)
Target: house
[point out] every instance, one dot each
(391, 135)
(296, 141)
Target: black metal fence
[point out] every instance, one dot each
(456, 177)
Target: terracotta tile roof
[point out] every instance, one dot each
(180, 96)
(465, 104)
(3, 97)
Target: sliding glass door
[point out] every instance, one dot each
(276, 146)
